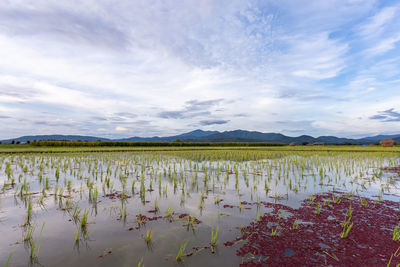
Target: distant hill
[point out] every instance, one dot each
(24, 139)
(215, 136)
(378, 138)
(196, 134)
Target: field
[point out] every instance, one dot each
(199, 206)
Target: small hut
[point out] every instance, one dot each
(292, 144)
(387, 142)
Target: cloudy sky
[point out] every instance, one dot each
(153, 67)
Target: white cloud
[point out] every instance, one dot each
(71, 67)
(380, 32)
(121, 129)
(377, 23)
(384, 45)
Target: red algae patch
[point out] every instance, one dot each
(190, 218)
(318, 234)
(117, 195)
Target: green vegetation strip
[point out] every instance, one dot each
(239, 146)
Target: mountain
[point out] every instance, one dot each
(186, 136)
(197, 133)
(215, 136)
(24, 139)
(253, 136)
(377, 138)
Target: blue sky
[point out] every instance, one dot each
(145, 68)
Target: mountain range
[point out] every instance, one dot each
(216, 136)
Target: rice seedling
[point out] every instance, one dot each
(349, 212)
(312, 198)
(258, 216)
(76, 235)
(217, 200)
(336, 200)
(149, 235)
(190, 220)
(57, 174)
(69, 186)
(156, 203)
(258, 201)
(347, 225)
(35, 246)
(76, 213)
(9, 259)
(169, 212)
(141, 264)
(395, 254)
(295, 225)
(396, 233)
(47, 186)
(180, 252)
(318, 209)
(28, 233)
(214, 237)
(29, 212)
(277, 196)
(122, 211)
(275, 231)
(84, 217)
(142, 189)
(364, 202)
(140, 220)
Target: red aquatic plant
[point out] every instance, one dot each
(309, 238)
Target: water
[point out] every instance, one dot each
(195, 183)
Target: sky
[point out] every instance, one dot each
(157, 67)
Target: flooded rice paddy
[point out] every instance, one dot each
(200, 208)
